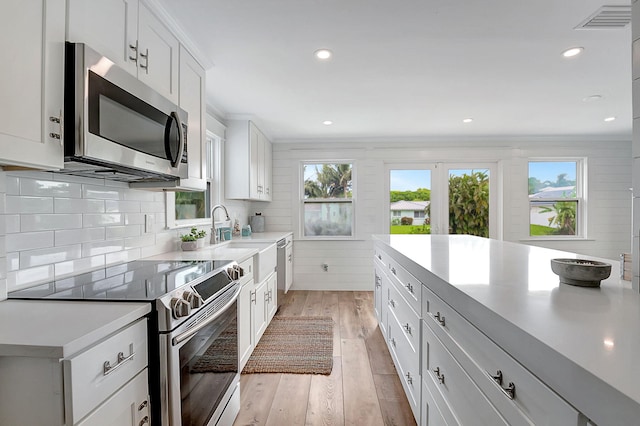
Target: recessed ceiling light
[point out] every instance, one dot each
(609, 119)
(592, 98)
(467, 120)
(327, 122)
(323, 54)
(572, 52)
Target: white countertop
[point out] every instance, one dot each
(58, 329)
(224, 249)
(583, 342)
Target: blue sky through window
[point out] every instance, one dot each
(409, 180)
(549, 170)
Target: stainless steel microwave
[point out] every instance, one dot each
(118, 127)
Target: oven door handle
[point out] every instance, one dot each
(187, 334)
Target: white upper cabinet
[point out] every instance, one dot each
(128, 33)
(31, 84)
(108, 26)
(248, 159)
(192, 100)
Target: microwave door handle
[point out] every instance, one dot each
(176, 162)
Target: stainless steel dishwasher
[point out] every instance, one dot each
(285, 266)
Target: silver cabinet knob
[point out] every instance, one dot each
(439, 318)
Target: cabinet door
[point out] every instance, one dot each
(267, 169)
(288, 267)
(129, 406)
(259, 311)
(107, 26)
(157, 55)
(272, 296)
(192, 93)
(245, 335)
(255, 182)
(31, 83)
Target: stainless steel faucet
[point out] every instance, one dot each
(215, 238)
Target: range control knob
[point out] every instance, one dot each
(180, 307)
(193, 299)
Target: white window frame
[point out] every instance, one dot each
(213, 157)
(581, 198)
(351, 200)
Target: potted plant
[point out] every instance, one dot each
(200, 235)
(189, 242)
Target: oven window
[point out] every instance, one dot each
(208, 366)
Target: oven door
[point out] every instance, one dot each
(201, 364)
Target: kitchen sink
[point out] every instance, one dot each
(264, 261)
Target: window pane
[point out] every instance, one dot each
(469, 202)
(410, 198)
(192, 205)
(327, 219)
(552, 179)
(553, 218)
(327, 181)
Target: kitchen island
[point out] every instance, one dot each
(580, 343)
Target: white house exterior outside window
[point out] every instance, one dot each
(556, 198)
(328, 210)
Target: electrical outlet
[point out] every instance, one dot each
(148, 223)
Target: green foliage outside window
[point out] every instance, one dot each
(469, 204)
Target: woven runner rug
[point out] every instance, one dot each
(302, 345)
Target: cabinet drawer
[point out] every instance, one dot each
(407, 319)
(247, 267)
(533, 403)
(128, 406)
(444, 375)
(90, 382)
(381, 256)
(407, 285)
(407, 363)
(435, 410)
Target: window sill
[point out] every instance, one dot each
(533, 239)
(188, 223)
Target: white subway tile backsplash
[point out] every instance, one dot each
(122, 206)
(134, 219)
(28, 205)
(29, 241)
(12, 185)
(101, 247)
(138, 195)
(73, 267)
(32, 174)
(122, 256)
(31, 258)
(123, 231)
(78, 179)
(73, 236)
(13, 261)
(91, 220)
(102, 192)
(152, 207)
(49, 188)
(78, 205)
(44, 222)
(27, 277)
(142, 241)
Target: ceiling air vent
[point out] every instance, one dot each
(607, 18)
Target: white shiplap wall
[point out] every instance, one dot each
(635, 60)
(350, 266)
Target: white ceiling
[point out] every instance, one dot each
(412, 68)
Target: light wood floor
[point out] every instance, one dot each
(363, 388)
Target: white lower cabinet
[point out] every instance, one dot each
(451, 372)
(106, 383)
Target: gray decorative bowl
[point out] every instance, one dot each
(581, 272)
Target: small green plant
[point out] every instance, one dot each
(202, 234)
(187, 237)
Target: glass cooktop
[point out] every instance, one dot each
(141, 280)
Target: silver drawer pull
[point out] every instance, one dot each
(409, 287)
(509, 391)
(409, 378)
(439, 318)
(143, 405)
(379, 257)
(108, 369)
(393, 271)
(392, 303)
(144, 421)
(407, 328)
(439, 375)
(393, 342)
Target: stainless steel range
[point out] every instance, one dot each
(193, 345)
